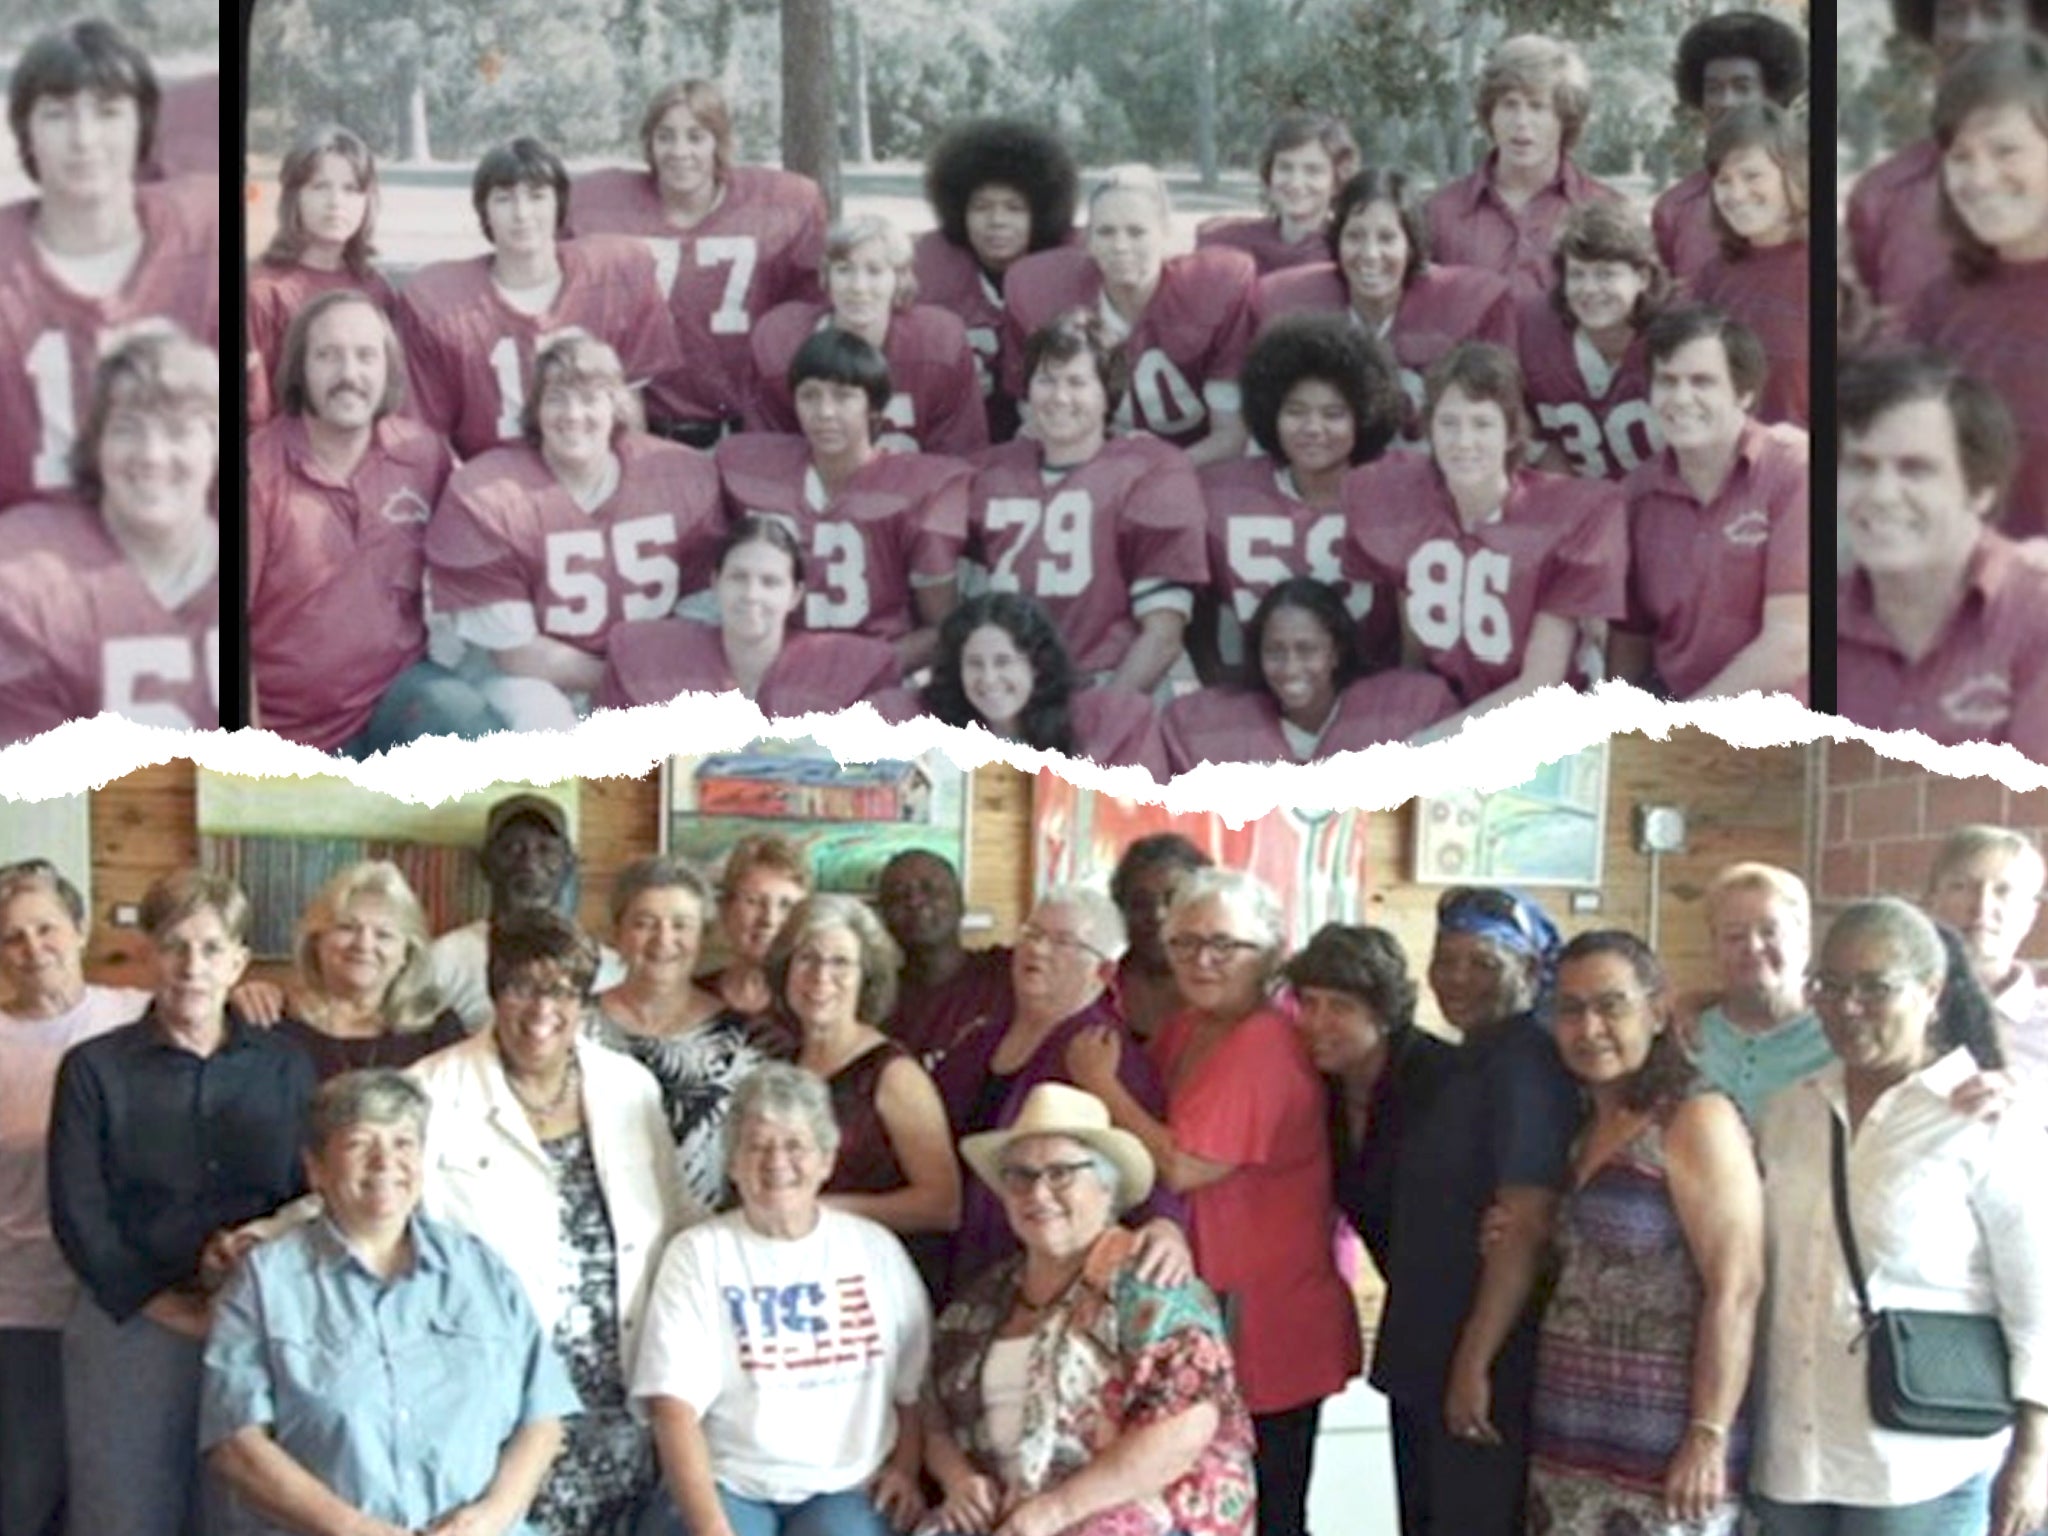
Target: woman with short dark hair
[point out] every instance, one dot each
(1642, 1362)
(1307, 156)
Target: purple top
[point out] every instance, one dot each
(984, 1235)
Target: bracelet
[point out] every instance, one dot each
(1709, 1428)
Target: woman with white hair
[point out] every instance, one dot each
(1060, 971)
(1185, 322)
(1243, 1139)
(785, 1343)
(1070, 1389)
(46, 1007)
(871, 291)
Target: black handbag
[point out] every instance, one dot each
(1932, 1373)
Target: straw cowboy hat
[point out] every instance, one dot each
(1057, 1109)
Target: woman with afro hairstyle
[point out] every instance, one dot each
(1383, 280)
(1001, 665)
(1320, 395)
(1306, 697)
(1306, 158)
(1723, 62)
(1000, 189)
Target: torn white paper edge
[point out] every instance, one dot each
(1496, 751)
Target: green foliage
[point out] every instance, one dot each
(160, 27)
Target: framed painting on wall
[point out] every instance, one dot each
(1551, 830)
(283, 838)
(850, 818)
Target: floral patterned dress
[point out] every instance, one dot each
(1614, 1360)
(697, 1070)
(607, 1463)
(1112, 1352)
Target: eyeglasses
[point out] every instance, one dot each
(1020, 1179)
(1066, 943)
(525, 991)
(835, 966)
(1607, 1007)
(1218, 947)
(1872, 989)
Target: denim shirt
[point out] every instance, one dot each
(398, 1395)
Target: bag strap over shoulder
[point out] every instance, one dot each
(1843, 1230)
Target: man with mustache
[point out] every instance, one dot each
(1941, 625)
(1718, 519)
(340, 489)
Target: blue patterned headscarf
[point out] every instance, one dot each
(1511, 920)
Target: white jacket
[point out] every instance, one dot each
(486, 1172)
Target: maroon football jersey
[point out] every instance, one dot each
(1117, 727)
(1238, 725)
(275, 294)
(81, 634)
(507, 531)
(1097, 546)
(1682, 220)
(187, 130)
(1441, 307)
(654, 660)
(949, 277)
(1599, 417)
(1986, 677)
(1470, 225)
(1894, 227)
(1770, 292)
(334, 575)
(1184, 351)
(936, 404)
(1996, 330)
(1259, 237)
(1470, 595)
(470, 353)
(1700, 574)
(52, 336)
(758, 248)
(900, 522)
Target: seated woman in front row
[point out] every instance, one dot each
(1306, 696)
(303, 1414)
(1001, 665)
(759, 589)
(1067, 1393)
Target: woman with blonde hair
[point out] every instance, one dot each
(871, 291)
(362, 993)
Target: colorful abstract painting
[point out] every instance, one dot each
(1550, 831)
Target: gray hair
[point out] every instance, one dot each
(374, 1096)
(1909, 929)
(42, 875)
(660, 872)
(881, 958)
(781, 1090)
(1102, 924)
(1250, 900)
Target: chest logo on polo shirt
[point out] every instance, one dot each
(1982, 703)
(405, 505)
(1748, 529)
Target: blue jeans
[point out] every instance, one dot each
(423, 700)
(1963, 1511)
(848, 1513)
(31, 1431)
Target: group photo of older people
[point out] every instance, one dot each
(1132, 1174)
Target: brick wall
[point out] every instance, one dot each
(1885, 819)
